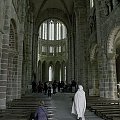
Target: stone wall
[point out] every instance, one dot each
(106, 23)
(11, 51)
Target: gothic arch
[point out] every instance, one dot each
(53, 13)
(94, 81)
(93, 52)
(13, 42)
(112, 45)
(12, 79)
(111, 48)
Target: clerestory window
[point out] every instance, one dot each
(52, 30)
(91, 3)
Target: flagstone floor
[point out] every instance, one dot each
(61, 104)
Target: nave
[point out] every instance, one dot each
(59, 107)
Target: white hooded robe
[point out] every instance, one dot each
(79, 103)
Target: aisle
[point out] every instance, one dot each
(62, 103)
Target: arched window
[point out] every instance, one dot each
(13, 35)
(91, 3)
(65, 73)
(50, 73)
(52, 30)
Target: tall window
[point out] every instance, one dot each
(44, 35)
(91, 3)
(52, 30)
(50, 73)
(65, 73)
(59, 48)
(44, 49)
(60, 75)
(51, 49)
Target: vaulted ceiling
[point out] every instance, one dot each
(41, 5)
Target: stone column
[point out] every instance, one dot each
(80, 12)
(39, 71)
(30, 36)
(112, 93)
(5, 5)
(100, 49)
(94, 79)
(53, 72)
(62, 72)
(34, 48)
(71, 56)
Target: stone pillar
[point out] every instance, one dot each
(39, 71)
(34, 48)
(42, 72)
(94, 79)
(80, 12)
(30, 36)
(112, 93)
(100, 49)
(4, 46)
(71, 56)
(53, 72)
(62, 72)
(20, 59)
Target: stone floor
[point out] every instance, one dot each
(61, 104)
(58, 106)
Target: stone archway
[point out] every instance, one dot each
(112, 45)
(12, 79)
(94, 80)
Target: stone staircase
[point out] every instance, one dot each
(21, 109)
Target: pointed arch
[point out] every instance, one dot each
(112, 42)
(12, 79)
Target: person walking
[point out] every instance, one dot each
(41, 112)
(79, 103)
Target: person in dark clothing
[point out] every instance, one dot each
(73, 86)
(40, 87)
(45, 88)
(41, 112)
(62, 86)
(33, 87)
(54, 85)
(49, 90)
(59, 86)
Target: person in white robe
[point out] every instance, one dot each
(79, 103)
